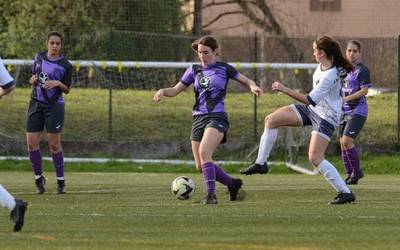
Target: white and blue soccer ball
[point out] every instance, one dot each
(183, 187)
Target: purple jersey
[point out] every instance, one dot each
(356, 80)
(47, 69)
(210, 85)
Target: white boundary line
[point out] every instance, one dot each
(293, 167)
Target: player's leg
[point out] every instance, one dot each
(285, 116)
(355, 124)
(196, 155)
(54, 124)
(345, 159)
(34, 129)
(210, 141)
(316, 156)
(17, 208)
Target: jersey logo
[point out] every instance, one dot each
(205, 82)
(43, 77)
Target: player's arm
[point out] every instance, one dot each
(170, 92)
(50, 84)
(244, 80)
(277, 86)
(357, 95)
(7, 89)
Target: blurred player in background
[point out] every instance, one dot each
(321, 109)
(210, 122)
(51, 77)
(17, 207)
(355, 111)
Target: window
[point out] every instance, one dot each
(325, 5)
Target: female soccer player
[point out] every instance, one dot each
(355, 111)
(17, 207)
(321, 109)
(51, 77)
(210, 122)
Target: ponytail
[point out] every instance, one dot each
(333, 51)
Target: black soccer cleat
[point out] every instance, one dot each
(343, 198)
(255, 169)
(353, 180)
(233, 191)
(18, 213)
(40, 184)
(61, 187)
(211, 199)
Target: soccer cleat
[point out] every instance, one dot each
(233, 191)
(343, 198)
(347, 178)
(61, 186)
(211, 199)
(353, 180)
(18, 213)
(255, 169)
(40, 184)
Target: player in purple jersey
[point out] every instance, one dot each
(51, 77)
(321, 109)
(210, 122)
(17, 207)
(355, 112)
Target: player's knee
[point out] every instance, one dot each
(55, 148)
(347, 143)
(315, 159)
(270, 121)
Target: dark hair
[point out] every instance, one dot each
(208, 41)
(356, 43)
(54, 33)
(333, 50)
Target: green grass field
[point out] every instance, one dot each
(137, 118)
(137, 211)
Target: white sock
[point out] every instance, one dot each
(332, 176)
(6, 199)
(267, 141)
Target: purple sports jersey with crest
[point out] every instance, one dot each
(356, 80)
(209, 85)
(48, 69)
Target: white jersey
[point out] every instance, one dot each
(326, 97)
(5, 77)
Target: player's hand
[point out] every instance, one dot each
(50, 84)
(33, 80)
(157, 96)
(277, 86)
(256, 90)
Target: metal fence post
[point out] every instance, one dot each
(255, 80)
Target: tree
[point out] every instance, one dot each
(260, 14)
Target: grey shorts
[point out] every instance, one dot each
(351, 125)
(218, 121)
(309, 118)
(42, 115)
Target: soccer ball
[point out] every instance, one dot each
(183, 187)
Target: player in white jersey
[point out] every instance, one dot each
(321, 109)
(17, 207)
(6, 81)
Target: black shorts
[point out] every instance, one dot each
(218, 121)
(351, 125)
(42, 115)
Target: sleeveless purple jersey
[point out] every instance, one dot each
(209, 85)
(47, 69)
(356, 80)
